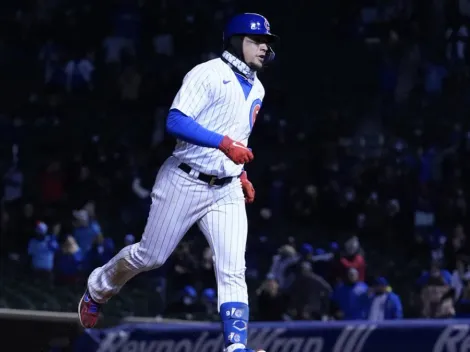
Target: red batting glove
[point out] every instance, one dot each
(235, 151)
(248, 189)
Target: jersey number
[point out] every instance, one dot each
(255, 108)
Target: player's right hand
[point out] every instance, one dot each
(235, 151)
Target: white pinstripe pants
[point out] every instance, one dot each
(178, 201)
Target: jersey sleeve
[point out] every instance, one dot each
(195, 93)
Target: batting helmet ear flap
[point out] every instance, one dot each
(235, 46)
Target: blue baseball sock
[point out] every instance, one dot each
(235, 316)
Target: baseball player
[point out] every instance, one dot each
(203, 181)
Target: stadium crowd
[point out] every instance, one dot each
(361, 209)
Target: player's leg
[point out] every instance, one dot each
(225, 227)
(177, 203)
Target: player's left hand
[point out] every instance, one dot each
(248, 189)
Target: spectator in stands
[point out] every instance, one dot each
(186, 305)
(353, 259)
(13, 188)
(382, 304)
(462, 306)
(42, 249)
(456, 49)
(461, 271)
(79, 73)
(271, 302)
(348, 297)
(437, 297)
(306, 253)
(114, 46)
(163, 41)
(309, 294)
(286, 257)
(90, 208)
(434, 72)
(209, 301)
(54, 74)
(435, 271)
(100, 253)
(83, 232)
(69, 262)
(305, 203)
(49, 58)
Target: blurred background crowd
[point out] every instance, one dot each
(361, 170)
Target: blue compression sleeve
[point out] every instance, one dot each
(185, 128)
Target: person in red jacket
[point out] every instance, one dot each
(352, 258)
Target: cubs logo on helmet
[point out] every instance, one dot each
(266, 25)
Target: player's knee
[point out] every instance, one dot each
(149, 259)
(231, 276)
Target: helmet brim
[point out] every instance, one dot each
(271, 38)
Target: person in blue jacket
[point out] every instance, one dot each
(349, 297)
(382, 303)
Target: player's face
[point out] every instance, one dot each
(255, 49)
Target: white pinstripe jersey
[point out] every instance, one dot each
(212, 95)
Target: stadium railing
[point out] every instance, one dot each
(53, 331)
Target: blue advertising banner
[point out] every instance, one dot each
(360, 336)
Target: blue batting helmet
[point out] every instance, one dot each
(251, 24)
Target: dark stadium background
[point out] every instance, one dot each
(361, 148)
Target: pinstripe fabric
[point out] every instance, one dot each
(213, 96)
(225, 226)
(218, 106)
(180, 200)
